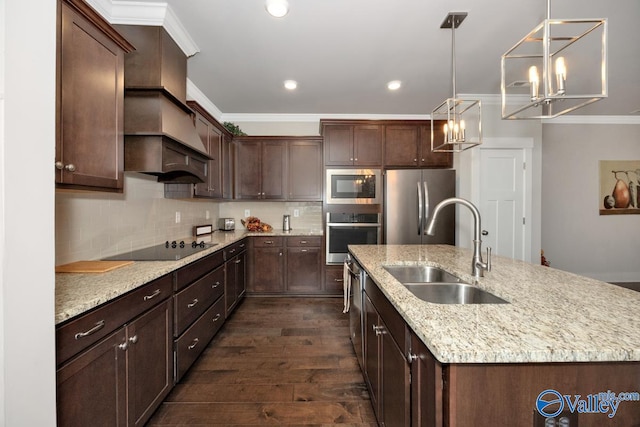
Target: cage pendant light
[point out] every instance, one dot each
(560, 66)
(462, 128)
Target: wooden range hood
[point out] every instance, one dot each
(160, 137)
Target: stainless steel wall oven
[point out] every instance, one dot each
(345, 229)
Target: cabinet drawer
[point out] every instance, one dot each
(197, 269)
(191, 344)
(333, 279)
(193, 300)
(79, 333)
(267, 241)
(234, 249)
(301, 241)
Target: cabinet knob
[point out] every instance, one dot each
(379, 330)
(411, 357)
(415, 160)
(70, 167)
(351, 159)
(356, 159)
(423, 160)
(124, 346)
(133, 339)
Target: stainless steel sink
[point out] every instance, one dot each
(433, 284)
(452, 293)
(421, 274)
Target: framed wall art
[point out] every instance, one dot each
(619, 187)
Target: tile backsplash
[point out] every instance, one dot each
(93, 225)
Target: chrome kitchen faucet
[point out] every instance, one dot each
(477, 265)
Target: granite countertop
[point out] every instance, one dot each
(552, 315)
(77, 293)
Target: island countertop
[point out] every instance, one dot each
(552, 315)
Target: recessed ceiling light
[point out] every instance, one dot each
(394, 85)
(290, 84)
(277, 8)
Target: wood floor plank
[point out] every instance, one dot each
(276, 361)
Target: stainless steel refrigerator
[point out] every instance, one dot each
(409, 198)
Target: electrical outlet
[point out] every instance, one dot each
(296, 213)
(177, 217)
(207, 215)
(247, 213)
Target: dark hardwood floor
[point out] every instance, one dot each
(276, 361)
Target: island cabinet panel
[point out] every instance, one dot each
(352, 144)
(90, 100)
(386, 368)
(492, 393)
(426, 386)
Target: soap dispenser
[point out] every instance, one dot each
(286, 222)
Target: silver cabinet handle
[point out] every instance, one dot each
(193, 304)
(215, 285)
(379, 330)
(153, 295)
(303, 242)
(338, 280)
(133, 339)
(215, 319)
(268, 242)
(242, 245)
(193, 343)
(238, 261)
(232, 250)
(99, 325)
(304, 250)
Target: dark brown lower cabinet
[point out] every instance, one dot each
(122, 379)
(287, 265)
(386, 370)
(235, 283)
(426, 386)
(92, 387)
(303, 270)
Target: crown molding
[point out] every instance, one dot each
(195, 94)
(275, 117)
(150, 14)
(593, 120)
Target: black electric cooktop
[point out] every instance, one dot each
(168, 251)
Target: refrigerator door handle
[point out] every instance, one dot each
(426, 207)
(420, 215)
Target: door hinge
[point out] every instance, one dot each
(524, 166)
(523, 220)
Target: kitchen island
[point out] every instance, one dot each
(559, 331)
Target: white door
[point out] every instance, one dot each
(502, 201)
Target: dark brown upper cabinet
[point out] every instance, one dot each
(408, 144)
(90, 100)
(352, 144)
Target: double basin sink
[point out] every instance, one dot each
(435, 285)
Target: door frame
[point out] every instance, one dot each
(525, 144)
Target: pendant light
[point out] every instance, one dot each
(560, 66)
(462, 118)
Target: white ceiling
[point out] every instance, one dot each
(343, 52)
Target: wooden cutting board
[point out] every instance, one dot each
(91, 266)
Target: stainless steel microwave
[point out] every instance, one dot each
(353, 186)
